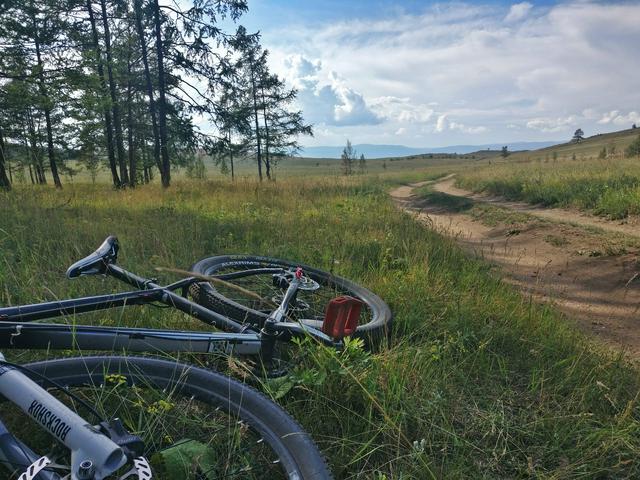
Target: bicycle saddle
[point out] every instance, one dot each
(96, 262)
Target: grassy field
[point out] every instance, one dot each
(578, 175)
(478, 381)
(246, 169)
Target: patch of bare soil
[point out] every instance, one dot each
(446, 185)
(592, 277)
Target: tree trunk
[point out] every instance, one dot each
(36, 158)
(25, 144)
(133, 169)
(108, 124)
(267, 162)
(46, 105)
(143, 157)
(231, 157)
(255, 113)
(42, 179)
(5, 183)
(147, 75)
(115, 106)
(162, 101)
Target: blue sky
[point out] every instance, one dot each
(424, 73)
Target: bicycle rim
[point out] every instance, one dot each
(257, 295)
(196, 424)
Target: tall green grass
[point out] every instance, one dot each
(478, 381)
(605, 187)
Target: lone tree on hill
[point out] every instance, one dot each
(505, 151)
(578, 136)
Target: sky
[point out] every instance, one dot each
(422, 73)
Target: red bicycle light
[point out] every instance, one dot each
(341, 317)
(299, 273)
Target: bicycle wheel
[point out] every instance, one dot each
(196, 424)
(258, 294)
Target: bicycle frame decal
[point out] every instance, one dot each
(49, 420)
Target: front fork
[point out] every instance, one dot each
(86, 442)
(269, 334)
(16, 455)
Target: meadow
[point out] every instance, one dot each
(477, 382)
(593, 175)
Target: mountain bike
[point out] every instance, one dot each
(120, 417)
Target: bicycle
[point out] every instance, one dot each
(184, 421)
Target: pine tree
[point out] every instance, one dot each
(362, 163)
(348, 158)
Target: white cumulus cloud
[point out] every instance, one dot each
(518, 12)
(327, 99)
(616, 118)
(552, 124)
(456, 69)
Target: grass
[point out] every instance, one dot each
(570, 175)
(556, 240)
(478, 382)
(489, 215)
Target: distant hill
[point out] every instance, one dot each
(589, 147)
(386, 151)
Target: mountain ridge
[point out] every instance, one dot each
(386, 151)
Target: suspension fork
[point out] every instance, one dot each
(269, 333)
(16, 455)
(85, 441)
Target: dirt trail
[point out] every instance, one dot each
(549, 254)
(446, 185)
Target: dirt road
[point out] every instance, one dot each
(552, 254)
(446, 185)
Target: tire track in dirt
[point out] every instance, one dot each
(590, 276)
(447, 185)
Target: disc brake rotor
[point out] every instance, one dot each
(140, 470)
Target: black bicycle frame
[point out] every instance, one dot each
(17, 332)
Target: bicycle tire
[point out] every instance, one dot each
(297, 454)
(377, 327)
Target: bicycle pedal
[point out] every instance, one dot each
(341, 317)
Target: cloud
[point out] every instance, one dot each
(301, 72)
(443, 124)
(614, 117)
(327, 99)
(402, 109)
(350, 107)
(518, 12)
(468, 68)
(552, 124)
